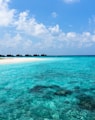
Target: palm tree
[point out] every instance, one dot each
(9, 55)
(2, 55)
(18, 55)
(35, 55)
(27, 55)
(43, 55)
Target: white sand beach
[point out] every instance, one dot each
(18, 60)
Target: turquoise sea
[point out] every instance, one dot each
(58, 88)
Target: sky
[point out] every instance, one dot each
(52, 27)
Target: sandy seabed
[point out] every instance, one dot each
(18, 60)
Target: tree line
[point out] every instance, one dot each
(19, 55)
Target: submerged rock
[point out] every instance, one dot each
(86, 102)
(38, 88)
(48, 92)
(63, 92)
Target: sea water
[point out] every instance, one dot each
(57, 88)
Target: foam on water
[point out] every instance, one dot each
(60, 88)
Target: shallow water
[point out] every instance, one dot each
(59, 88)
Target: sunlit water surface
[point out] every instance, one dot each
(58, 88)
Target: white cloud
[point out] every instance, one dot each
(15, 44)
(52, 36)
(6, 15)
(29, 35)
(71, 1)
(39, 36)
(54, 14)
(54, 29)
(29, 25)
(10, 41)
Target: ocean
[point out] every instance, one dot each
(58, 88)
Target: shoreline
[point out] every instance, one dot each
(18, 60)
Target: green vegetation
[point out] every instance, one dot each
(19, 55)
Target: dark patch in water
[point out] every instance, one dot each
(86, 102)
(2, 101)
(73, 82)
(85, 89)
(67, 102)
(38, 88)
(48, 92)
(77, 89)
(92, 89)
(42, 88)
(63, 92)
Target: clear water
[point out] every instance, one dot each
(59, 88)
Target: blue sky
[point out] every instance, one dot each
(62, 27)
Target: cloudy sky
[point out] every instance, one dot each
(54, 27)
